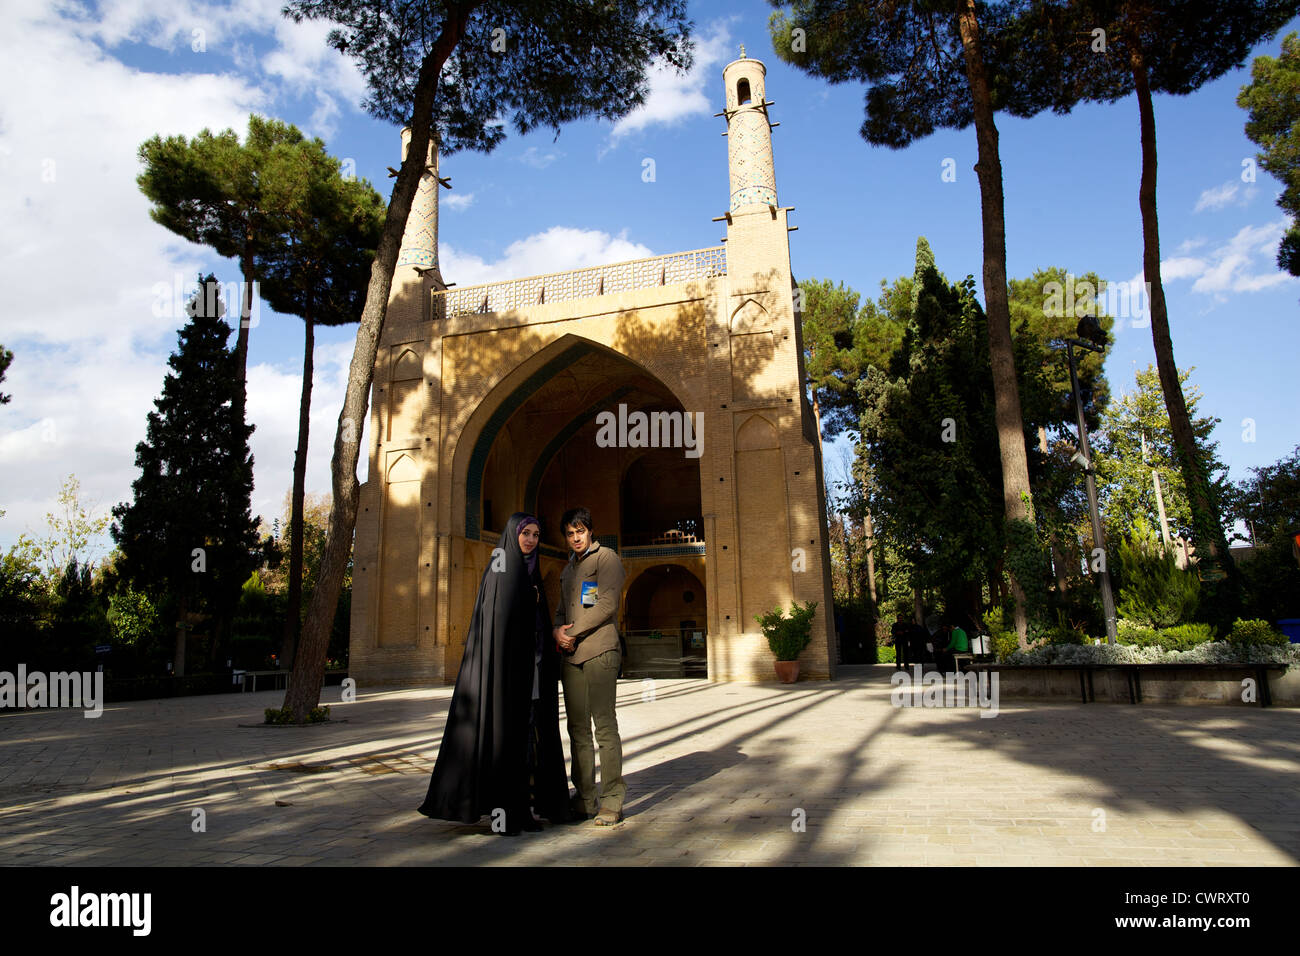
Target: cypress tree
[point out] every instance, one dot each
(188, 531)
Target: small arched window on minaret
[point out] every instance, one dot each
(742, 92)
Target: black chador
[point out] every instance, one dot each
(501, 749)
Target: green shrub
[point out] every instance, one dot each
(1005, 643)
(788, 636)
(885, 654)
(1256, 632)
(1062, 633)
(1185, 636)
(1209, 652)
(276, 715)
(1155, 591)
(1135, 634)
(1004, 640)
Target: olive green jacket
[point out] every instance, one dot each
(595, 627)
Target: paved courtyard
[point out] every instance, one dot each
(724, 774)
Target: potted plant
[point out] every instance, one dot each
(788, 636)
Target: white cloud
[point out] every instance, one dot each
(171, 24)
(538, 159)
(307, 64)
(80, 258)
(274, 394)
(1246, 262)
(1179, 267)
(558, 249)
(1230, 193)
(1218, 197)
(674, 97)
(454, 200)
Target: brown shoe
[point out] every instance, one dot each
(607, 818)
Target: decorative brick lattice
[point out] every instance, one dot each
(420, 241)
(671, 269)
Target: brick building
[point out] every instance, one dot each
(663, 394)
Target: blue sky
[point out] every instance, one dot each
(89, 276)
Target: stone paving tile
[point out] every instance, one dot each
(718, 775)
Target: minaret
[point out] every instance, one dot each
(756, 240)
(420, 240)
(749, 135)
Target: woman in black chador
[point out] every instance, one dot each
(501, 750)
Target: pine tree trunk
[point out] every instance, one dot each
(1006, 394)
(1205, 511)
(293, 611)
(245, 319)
(307, 678)
(182, 632)
(871, 558)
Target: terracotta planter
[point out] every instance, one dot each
(787, 671)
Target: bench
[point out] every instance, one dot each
(245, 678)
(1133, 675)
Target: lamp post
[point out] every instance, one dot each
(1090, 329)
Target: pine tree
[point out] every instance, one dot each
(1273, 100)
(935, 64)
(318, 270)
(452, 71)
(188, 532)
(1101, 51)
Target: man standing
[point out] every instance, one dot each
(586, 633)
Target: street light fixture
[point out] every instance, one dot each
(1090, 329)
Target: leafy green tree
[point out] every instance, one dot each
(1136, 439)
(71, 530)
(1269, 502)
(840, 342)
(132, 616)
(79, 621)
(26, 596)
(937, 64)
(188, 531)
(1273, 99)
(1045, 309)
(926, 431)
(453, 71)
(842, 339)
(212, 190)
(6, 359)
(1103, 50)
(1154, 592)
(318, 270)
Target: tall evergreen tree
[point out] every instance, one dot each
(318, 270)
(841, 340)
(1273, 99)
(1103, 50)
(937, 64)
(1137, 440)
(452, 70)
(927, 432)
(188, 532)
(211, 190)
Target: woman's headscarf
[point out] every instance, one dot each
(530, 560)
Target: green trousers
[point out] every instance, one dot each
(590, 691)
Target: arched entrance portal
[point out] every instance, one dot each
(665, 614)
(548, 446)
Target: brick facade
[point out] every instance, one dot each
(487, 400)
